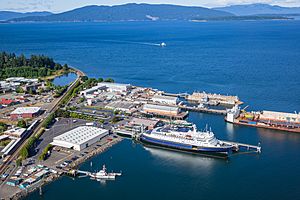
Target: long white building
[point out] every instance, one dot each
(80, 137)
(115, 87)
(165, 99)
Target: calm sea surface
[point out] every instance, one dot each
(258, 61)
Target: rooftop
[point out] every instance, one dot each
(165, 97)
(121, 105)
(160, 107)
(15, 131)
(108, 84)
(80, 134)
(22, 110)
(145, 122)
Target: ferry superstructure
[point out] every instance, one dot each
(186, 139)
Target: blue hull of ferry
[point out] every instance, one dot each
(185, 147)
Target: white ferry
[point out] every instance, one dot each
(186, 139)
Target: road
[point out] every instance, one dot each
(51, 110)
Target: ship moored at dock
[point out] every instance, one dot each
(186, 139)
(289, 122)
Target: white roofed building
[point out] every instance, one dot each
(80, 137)
(16, 132)
(165, 99)
(25, 112)
(116, 87)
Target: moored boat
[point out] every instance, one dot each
(102, 174)
(186, 139)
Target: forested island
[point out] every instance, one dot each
(36, 66)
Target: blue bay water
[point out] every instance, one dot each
(64, 79)
(259, 61)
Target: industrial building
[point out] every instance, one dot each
(116, 87)
(124, 106)
(148, 124)
(80, 137)
(165, 99)
(25, 112)
(218, 98)
(163, 111)
(280, 116)
(90, 92)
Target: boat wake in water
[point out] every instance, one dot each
(133, 42)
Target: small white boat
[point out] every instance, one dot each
(102, 174)
(163, 44)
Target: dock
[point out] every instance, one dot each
(204, 110)
(183, 95)
(248, 147)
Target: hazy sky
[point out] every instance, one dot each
(63, 5)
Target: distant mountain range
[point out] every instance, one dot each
(259, 9)
(128, 12)
(7, 15)
(148, 12)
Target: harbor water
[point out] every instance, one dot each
(258, 61)
(65, 79)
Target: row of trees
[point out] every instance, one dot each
(45, 152)
(33, 67)
(24, 152)
(3, 127)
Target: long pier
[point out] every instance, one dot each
(238, 146)
(204, 110)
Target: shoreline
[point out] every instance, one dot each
(49, 179)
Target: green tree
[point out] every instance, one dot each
(22, 123)
(19, 162)
(84, 78)
(24, 153)
(3, 127)
(19, 90)
(110, 80)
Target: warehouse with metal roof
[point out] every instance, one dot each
(80, 137)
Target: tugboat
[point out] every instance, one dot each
(102, 174)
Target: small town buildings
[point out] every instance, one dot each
(7, 102)
(13, 182)
(80, 137)
(21, 80)
(25, 112)
(16, 132)
(32, 87)
(165, 99)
